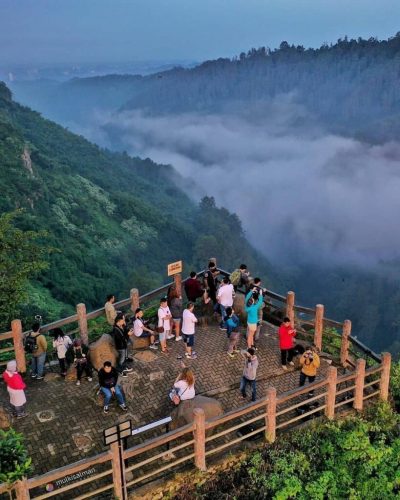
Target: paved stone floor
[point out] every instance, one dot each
(65, 424)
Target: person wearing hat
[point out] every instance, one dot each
(15, 388)
(78, 354)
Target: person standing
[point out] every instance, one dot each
(78, 354)
(232, 331)
(164, 324)
(121, 334)
(249, 372)
(210, 281)
(193, 288)
(15, 388)
(175, 306)
(310, 363)
(256, 287)
(189, 321)
(39, 353)
(253, 302)
(225, 296)
(109, 309)
(108, 381)
(61, 344)
(286, 335)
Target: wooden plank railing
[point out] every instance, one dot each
(271, 414)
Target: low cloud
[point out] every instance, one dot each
(301, 193)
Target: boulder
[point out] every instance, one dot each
(5, 420)
(103, 350)
(140, 342)
(238, 305)
(183, 413)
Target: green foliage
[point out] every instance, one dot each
(395, 383)
(14, 461)
(22, 256)
(354, 458)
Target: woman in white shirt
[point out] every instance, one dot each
(184, 384)
(61, 344)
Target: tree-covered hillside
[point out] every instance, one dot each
(113, 222)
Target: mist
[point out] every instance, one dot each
(303, 195)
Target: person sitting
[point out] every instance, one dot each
(15, 388)
(61, 344)
(193, 288)
(78, 354)
(140, 330)
(121, 335)
(108, 380)
(184, 384)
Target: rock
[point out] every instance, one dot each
(103, 350)
(140, 342)
(183, 413)
(71, 374)
(51, 376)
(145, 356)
(5, 419)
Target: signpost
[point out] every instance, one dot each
(174, 268)
(116, 434)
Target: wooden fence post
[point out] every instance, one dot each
(318, 325)
(344, 347)
(199, 439)
(270, 431)
(22, 490)
(82, 323)
(330, 398)
(385, 376)
(290, 307)
(117, 471)
(178, 283)
(18, 340)
(359, 385)
(134, 299)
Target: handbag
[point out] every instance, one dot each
(174, 396)
(159, 329)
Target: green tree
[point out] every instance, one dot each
(22, 256)
(14, 460)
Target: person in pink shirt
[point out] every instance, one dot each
(286, 344)
(15, 388)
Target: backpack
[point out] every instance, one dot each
(235, 277)
(30, 344)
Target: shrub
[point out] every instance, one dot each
(14, 460)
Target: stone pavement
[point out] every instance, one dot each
(65, 424)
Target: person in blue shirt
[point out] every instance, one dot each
(232, 330)
(253, 302)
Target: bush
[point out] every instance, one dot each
(14, 460)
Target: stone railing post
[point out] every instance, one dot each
(330, 398)
(18, 340)
(270, 420)
(82, 323)
(290, 307)
(178, 283)
(199, 438)
(318, 325)
(385, 376)
(134, 299)
(22, 490)
(344, 347)
(359, 385)
(118, 471)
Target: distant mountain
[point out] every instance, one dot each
(114, 220)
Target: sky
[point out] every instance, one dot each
(91, 31)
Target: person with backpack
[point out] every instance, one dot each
(36, 344)
(108, 381)
(286, 335)
(240, 277)
(61, 344)
(253, 302)
(249, 372)
(78, 354)
(15, 388)
(232, 331)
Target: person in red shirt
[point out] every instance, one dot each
(286, 344)
(15, 387)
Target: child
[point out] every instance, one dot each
(232, 331)
(15, 387)
(249, 372)
(309, 362)
(164, 324)
(78, 354)
(286, 344)
(61, 343)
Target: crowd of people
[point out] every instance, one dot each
(175, 321)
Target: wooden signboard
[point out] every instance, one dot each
(174, 268)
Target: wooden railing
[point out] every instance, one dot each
(195, 442)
